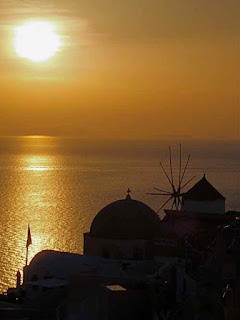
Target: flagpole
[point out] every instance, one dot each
(26, 255)
(28, 243)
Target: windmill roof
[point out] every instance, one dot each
(203, 190)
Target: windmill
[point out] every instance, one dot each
(176, 193)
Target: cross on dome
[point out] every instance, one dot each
(128, 197)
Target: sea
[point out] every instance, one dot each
(58, 185)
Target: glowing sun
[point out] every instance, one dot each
(36, 41)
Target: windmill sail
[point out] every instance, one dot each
(176, 194)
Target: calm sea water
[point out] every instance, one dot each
(58, 186)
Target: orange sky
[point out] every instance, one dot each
(133, 69)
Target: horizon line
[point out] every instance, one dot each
(163, 138)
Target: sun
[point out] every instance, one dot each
(36, 41)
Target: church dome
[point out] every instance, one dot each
(125, 219)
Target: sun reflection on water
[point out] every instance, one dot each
(31, 193)
(38, 163)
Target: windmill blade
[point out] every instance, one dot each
(188, 182)
(165, 203)
(184, 170)
(158, 194)
(162, 190)
(166, 175)
(176, 203)
(179, 201)
(180, 166)
(170, 162)
(172, 205)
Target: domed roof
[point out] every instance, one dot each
(125, 219)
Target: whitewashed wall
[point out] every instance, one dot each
(216, 206)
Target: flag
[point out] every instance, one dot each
(29, 238)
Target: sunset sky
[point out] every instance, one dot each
(127, 69)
